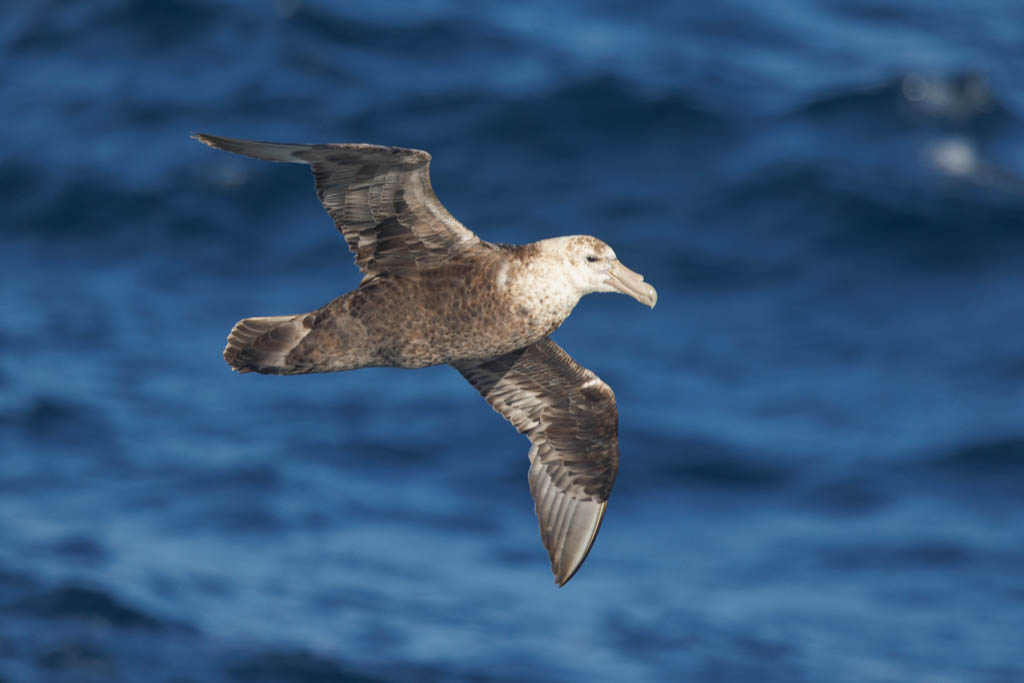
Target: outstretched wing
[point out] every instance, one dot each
(572, 422)
(379, 197)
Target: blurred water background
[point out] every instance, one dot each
(821, 422)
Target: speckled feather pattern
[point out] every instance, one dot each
(450, 313)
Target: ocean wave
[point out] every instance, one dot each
(936, 553)
(998, 458)
(604, 102)
(55, 419)
(850, 495)
(575, 116)
(811, 211)
(416, 40)
(80, 548)
(296, 666)
(44, 31)
(12, 581)
(78, 602)
(958, 99)
(78, 659)
(704, 462)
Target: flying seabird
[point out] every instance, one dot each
(433, 292)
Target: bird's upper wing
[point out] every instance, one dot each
(572, 422)
(379, 197)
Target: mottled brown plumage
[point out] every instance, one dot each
(572, 422)
(434, 293)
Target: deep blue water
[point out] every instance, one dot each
(821, 422)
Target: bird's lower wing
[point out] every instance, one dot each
(571, 419)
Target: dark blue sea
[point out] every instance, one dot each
(821, 422)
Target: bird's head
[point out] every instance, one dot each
(591, 266)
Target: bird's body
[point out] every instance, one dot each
(476, 308)
(434, 293)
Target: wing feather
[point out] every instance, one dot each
(380, 199)
(571, 419)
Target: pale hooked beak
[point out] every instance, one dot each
(626, 281)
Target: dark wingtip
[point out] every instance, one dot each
(562, 580)
(562, 574)
(227, 144)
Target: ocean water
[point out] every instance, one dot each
(821, 421)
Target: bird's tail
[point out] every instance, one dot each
(263, 344)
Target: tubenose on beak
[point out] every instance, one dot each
(632, 283)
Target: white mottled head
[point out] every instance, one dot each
(589, 265)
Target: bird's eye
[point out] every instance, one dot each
(592, 259)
